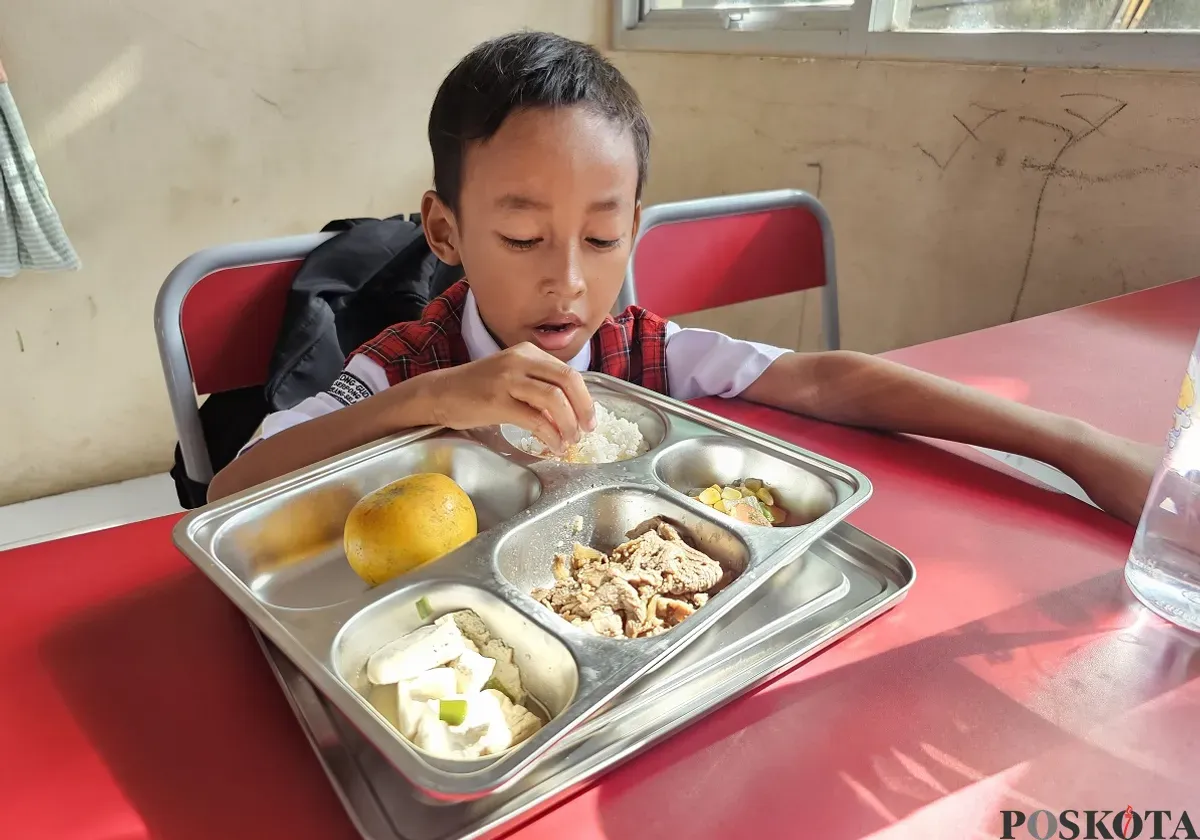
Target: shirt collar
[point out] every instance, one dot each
(480, 343)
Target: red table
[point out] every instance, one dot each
(1019, 674)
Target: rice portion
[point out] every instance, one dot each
(614, 439)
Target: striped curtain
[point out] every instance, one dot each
(31, 234)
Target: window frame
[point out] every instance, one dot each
(864, 31)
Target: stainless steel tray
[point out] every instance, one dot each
(785, 622)
(276, 551)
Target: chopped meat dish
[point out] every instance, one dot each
(647, 586)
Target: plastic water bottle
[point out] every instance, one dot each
(1163, 569)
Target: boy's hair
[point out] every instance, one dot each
(519, 71)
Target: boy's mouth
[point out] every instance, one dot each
(557, 333)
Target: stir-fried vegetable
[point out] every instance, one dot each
(423, 608)
(750, 501)
(453, 712)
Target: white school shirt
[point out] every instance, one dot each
(700, 363)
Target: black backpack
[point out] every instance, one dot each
(374, 273)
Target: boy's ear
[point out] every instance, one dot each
(637, 222)
(441, 228)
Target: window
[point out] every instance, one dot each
(1051, 15)
(744, 5)
(1161, 34)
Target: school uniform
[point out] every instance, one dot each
(636, 346)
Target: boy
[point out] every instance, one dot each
(540, 150)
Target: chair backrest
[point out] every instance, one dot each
(216, 318)
(710, 252)
(219, 311)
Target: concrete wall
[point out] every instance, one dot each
(961, 197)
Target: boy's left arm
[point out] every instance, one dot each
(856, 389)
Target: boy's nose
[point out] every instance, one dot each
(565, 276)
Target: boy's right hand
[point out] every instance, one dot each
(523, 385)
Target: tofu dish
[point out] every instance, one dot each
(644, 587)
(458, 692)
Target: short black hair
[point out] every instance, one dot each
(520, 71)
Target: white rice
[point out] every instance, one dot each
(615, 439)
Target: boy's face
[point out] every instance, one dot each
(546, 220)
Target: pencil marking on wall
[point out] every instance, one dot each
(170, 30)
(20, 341)
(958, 119)
(820, 175)
(1047, 124)
(1120, 102)
(1082, 114)
(972, 133)
(1079, 116)
(929, 155)
(1050, 169)
(270, 102)
(1112, 177)
(987, 109)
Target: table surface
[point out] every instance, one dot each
(1018, 674)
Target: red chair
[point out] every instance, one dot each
(219, 312)
(217, 316)
(710, 252)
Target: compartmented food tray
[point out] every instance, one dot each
(277, 552)
(785, 622)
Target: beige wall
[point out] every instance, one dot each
(165, 127)
(961, 197)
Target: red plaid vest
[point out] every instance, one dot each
(631, 346)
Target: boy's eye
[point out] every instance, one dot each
(519, 244)
(604, 244)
